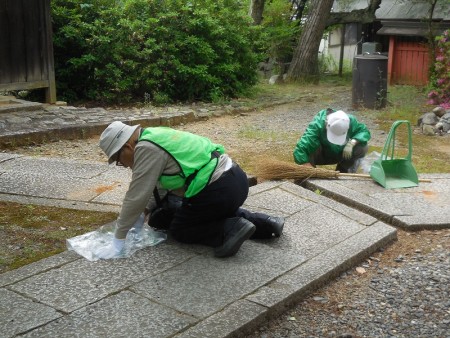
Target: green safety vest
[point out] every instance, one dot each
(192, 153)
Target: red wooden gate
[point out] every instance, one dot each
(408, 62)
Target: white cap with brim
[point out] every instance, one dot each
(337, 127)
(114, 137)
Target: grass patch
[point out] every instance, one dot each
(409, 103)
(29, 233)
(267, 143)
(267, 135)
(263, 90)
(404, 103)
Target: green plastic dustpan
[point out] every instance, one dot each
(393, 172)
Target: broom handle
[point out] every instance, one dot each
(368, 176)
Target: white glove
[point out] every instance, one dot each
(348, 150)
(112, 250)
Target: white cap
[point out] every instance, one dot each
(337, 127)
(114, 137)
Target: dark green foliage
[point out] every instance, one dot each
(163, 50)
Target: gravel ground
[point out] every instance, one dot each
(402, 291)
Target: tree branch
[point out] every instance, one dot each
(366, 15)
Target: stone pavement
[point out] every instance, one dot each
(24, 123)
(177, 290)
(422, 207)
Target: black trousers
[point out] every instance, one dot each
(200, 219)
(321, 157)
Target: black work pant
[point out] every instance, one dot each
(200, 219)
(321, 157)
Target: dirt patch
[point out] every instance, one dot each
(441, 143)
(103, 188)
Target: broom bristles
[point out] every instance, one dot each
(271, 169)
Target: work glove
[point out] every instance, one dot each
(112, 250)
(348, 150)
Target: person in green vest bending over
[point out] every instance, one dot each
(333, 137)
(212, 188)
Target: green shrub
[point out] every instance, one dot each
(167, 50)
(440, 79)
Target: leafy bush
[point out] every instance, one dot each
(165, 50)
(440, 81)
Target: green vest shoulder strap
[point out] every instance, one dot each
(192, 153)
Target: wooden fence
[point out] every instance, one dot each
(408, 62)
(26, 47)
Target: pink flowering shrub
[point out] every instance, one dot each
(440, 82)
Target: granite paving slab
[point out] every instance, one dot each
(60, 203)
(233, 320)
(187, 292)
(204, 285)
(8, 156)
(122, 315)
(42, 265)
(294, 284)
(25, 314)
(422, 207)
(354, 214)
(63, 179)
(82, 282)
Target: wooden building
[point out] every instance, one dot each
(26, 47)
(400, 31)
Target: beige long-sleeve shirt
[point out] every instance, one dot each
(150, 162)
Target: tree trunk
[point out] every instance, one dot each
(305, 63)
(431, 40)
(256, 11)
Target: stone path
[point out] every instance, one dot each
(175, 290)
(182, 289)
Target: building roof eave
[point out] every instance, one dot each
(411, 28)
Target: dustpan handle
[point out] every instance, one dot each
(390, 142)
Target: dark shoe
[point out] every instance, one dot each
(236, 232)
(276, 225)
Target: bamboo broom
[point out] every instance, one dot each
(271, 169)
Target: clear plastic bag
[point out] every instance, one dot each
(367, 161)
(139, 237)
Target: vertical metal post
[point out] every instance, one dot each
(341, 55)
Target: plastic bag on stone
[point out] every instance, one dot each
(367, 161)
(139, 237)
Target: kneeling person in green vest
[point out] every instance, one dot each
(212, 188)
